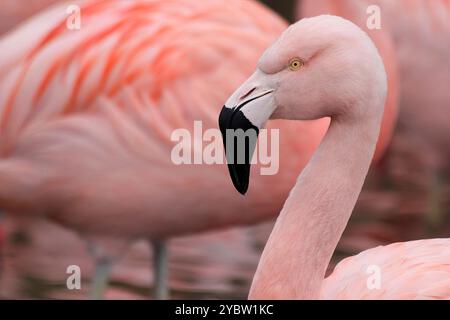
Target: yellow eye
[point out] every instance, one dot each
(296, 64)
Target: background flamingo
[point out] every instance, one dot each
(339, 74)
(92, 99)
(420, 27)
(420, 32)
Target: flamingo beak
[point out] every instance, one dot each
(240, 120)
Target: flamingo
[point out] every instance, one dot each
(86, 118)
(419, 32)
(326, 66)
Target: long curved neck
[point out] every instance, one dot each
(316, 212)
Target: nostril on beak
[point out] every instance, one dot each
(247, 94)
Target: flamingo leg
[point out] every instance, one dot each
(100, 280)
(160, 269)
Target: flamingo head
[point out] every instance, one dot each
(318, 67)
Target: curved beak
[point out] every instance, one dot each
(241, 118)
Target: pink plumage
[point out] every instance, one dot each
(407, 270)
(104, 100)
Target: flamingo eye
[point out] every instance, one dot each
(296, 64)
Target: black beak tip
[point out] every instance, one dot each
(241, 187)
(234, 119)
(242, 191)
(240, 176)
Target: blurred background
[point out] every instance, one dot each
(400, 202)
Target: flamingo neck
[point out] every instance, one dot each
(316, 212)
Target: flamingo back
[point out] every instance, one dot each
(406, 270)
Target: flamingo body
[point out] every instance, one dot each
(407, 270)
(422, 42)
(86, 115)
